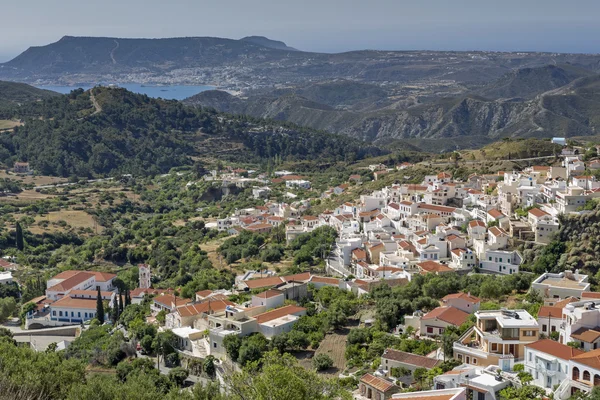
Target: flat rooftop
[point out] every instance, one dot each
(508, 318)
(563, 283)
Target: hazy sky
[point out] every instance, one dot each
(317, 25)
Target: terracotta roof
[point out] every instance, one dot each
(359, 253)
(255, 227)
(464, 296)
(379, 384)
(452, 237)
(432, 266)
(555, 349)
(494, 213)
(394, 206)
(432, 396)
(591, 359)
(550, 312)
(448, 314)
(411, 359)
(406, 203)
(587, 335)
(263, 282)
(204, 307)
(325, 280)
(536, 212)
(494, 230)
(71, 282)
(476, 222)
(69, 302)
(268, 294)
(309, 218)
(590, 295)
(170, 299)
(278, 313)
(436, 208)
(304, 276)
(204, 293)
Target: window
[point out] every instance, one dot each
(500, 259)
(60, 313)
(480, 396)
(544, 328)
(72, 314)
(474, 361)
(530, 356)
(215, 345)
(79, 314)
(494, 346)
(54, 313)
(429, 329)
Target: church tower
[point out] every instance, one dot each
(144, 276)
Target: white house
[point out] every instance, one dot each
(6, 278)
(548, 362)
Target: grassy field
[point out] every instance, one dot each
(36, 180)
(74, 218)
(8, 124)
(334, 345)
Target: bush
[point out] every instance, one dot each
(322, 362)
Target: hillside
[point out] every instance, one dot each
(530, 82)
(570, 110)
(17, 93)
(127, 133)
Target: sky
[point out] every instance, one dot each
(316, 25)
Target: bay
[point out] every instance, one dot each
(168, 92)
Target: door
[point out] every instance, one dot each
(548, 381)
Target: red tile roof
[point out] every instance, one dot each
(432, 266)
(536, 212)
(494, 213)
(379, 384)
(264, 282)
(448, 314)
(325, 280)
(269, 294)
(476, 222)
(69, 302)
(278, 313)
(71, 282)
(464, 296)
(591, 359)
(206, 307)
(555, 349)
(170, 299)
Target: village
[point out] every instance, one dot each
(389, 237)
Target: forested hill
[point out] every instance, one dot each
(115, 131)
(16, 93)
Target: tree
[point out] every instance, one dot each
(99, 307)
(178, 375)
(164, 344)
(8, 306)
(20, 243)
(232, 344)
(127, 298)
(322, 362)
(525, 377)
(120, 297)
(146, 343)
(208, 366)
(448, 340)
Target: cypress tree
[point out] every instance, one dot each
(127, 298)
(99, 307)
(120, 303)
(19, 237)
(117, 307)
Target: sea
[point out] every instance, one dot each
(167, 92)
